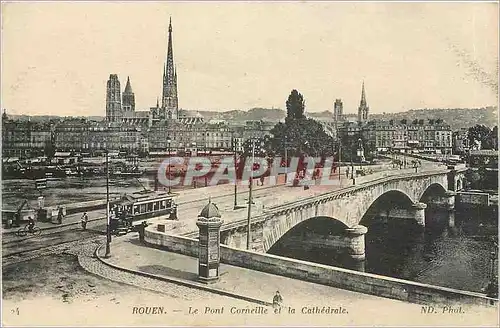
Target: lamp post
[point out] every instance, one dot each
(340, 160)
(108, 228)
(404, 150)
(286, 158)
(168, 149)
(235, 176)
(352, 173)
(249, 214)
(193, 147)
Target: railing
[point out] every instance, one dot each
(335, 193)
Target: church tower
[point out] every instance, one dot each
(363, 109)
(338, 110)
(113, 99)
(169, 101)
(128, 102)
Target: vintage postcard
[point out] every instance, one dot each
(249, 163)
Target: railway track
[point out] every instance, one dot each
(56, 248)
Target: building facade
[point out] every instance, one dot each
(26, 139)
(431, 136)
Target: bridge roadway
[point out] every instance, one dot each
(265, 199)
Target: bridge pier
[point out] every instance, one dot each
(419, 213)
(355, 240)
(450, 205)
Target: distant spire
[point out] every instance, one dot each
(170, 25)
(128, 88)
(363, 96)
(157, 103)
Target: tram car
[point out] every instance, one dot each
(139, 206)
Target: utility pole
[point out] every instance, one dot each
(108, 230)
(250, 200)
(286, 159)
(340, 161)
(235, 175)
(352, 173)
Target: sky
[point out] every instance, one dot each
(57, 57)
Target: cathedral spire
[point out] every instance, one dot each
(363, 96)
(363, 108)
(169, 101)
(128, 88)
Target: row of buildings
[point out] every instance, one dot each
(29, 139)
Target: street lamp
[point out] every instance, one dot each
(340, 160)
(286, 158)
(404, 150)
(250, 200)
(108, 228)
(168, 149)
(235, 175)
(193, 147)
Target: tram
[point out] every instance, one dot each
(139, 206)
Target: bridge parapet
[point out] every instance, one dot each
(330, 196)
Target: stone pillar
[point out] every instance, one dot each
(419, 209)
(450, 205)
(209, 249)
(356, 242)
(451, 178)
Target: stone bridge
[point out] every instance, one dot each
(399, 197)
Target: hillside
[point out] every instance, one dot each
(457, 118)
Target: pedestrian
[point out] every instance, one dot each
(262, 180)
(60, 215)
(277, 300)
(84, 220)
(347, 173)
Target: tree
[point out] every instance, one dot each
(479, 134)
(404, 121)
(295, 105)
(301, 136)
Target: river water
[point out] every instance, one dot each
(457, 257)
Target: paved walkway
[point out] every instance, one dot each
(128, 254)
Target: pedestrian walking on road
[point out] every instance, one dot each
(262, 180)
(277, 300)
(60, 215)
(84, 220)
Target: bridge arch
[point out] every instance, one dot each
(435, 189)
(391, 199)
(294, 222)
(321, 239)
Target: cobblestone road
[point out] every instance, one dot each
(87, 260)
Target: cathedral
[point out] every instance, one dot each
(120, 107)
